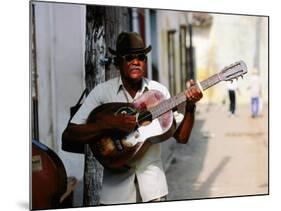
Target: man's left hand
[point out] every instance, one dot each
(193, 92)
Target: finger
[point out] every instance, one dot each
(194, 95)
(192, 82)
(189, 95)
(187, 84)
(196, 92)
(192, 91)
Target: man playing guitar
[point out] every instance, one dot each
(145, 179)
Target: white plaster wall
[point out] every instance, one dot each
(60, 40)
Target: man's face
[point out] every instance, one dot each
(133, 67)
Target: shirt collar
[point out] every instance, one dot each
(144, 86)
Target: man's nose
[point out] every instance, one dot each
(135, 61)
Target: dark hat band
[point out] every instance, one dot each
(130, 51)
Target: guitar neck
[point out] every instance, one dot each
(180, 98)
(211, 81)
(167, 105)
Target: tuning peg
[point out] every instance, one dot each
(231, 81)
(242, 76)
(236, 79)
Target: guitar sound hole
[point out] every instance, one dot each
(126, 110)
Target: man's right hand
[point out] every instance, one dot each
(123, 122)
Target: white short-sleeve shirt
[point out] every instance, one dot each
(120, 187)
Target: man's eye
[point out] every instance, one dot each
(129, 58)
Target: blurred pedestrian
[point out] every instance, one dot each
(232, 87)
(255, 92)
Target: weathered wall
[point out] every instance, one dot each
(72, 42)
(60, 38)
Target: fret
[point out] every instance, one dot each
(210, 81)
(167, 105)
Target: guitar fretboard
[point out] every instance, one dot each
(211, 81)
(228, 73)
(180, 98)
(167, 105)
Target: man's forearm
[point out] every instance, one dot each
(82, 134)
(183, 131)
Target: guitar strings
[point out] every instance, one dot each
(206, 84)
(146, 116)
(149, 110)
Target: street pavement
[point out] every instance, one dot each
(225, 156)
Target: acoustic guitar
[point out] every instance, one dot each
(116, 150)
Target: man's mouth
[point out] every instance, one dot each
(135, 68)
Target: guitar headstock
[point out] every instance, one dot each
(233, 71)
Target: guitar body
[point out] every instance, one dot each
(49, 179)
(114, 149)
